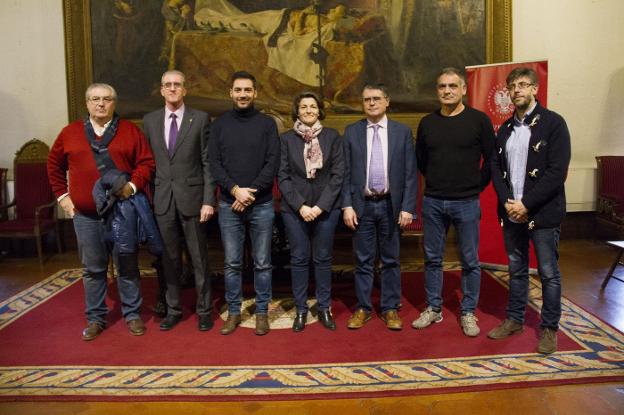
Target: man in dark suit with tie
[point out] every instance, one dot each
(184, 194)
(379, 198)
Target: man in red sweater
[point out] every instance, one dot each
(73, 151)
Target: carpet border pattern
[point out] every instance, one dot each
(601, 356)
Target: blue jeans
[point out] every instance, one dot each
(464, 215)
(546, 244)
(316, 239)
(94, 254)
(259, 220)
(377, 231)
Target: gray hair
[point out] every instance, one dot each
(100, 85)
(451, 70)
(173, 72)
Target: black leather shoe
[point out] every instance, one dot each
(160, 309)
(300, 321)
(169, 322)
(326, 319)
(205, 323)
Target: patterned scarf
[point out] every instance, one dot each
(312, 154)
(103, 160)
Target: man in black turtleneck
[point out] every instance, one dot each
(244, 152)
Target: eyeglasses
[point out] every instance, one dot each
(105, 100)
(174, 85)
(375, 99)
(519, 85)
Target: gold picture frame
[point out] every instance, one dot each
(79, 54)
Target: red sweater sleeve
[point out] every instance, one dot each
(57, 167)
(133, 154)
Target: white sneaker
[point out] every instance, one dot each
(426, 318)
(469, 325)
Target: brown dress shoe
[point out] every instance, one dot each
(231, 323)
(262, 324)
(358, 319)
(136, 327)
(92, 331)
(392, 320)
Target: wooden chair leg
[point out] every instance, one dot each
(59, 248)
(39, 249)
(612, 269)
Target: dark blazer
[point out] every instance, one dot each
(296, 188)
(186, 176)
(546, 170)
(401, 168)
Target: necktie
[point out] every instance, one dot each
(376, 175)
(173, 135)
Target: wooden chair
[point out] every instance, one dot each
(610, 197)
(4, 215)
(34, 202)
(619, 246)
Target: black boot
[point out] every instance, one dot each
(300, 321)
(326, 319)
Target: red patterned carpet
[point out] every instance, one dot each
(44, 357)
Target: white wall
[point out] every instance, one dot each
(33, 93)
(583, 41)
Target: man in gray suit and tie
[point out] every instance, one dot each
(184, 194)
(379, 198)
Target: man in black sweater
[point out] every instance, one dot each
(244, 152)
(453, 149)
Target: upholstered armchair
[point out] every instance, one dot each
(34, 203)
(610, 197)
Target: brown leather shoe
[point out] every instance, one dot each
(230, 324)
(136, 327)
(262, 324)
(92, 331)
(358, 319)
(392, 320)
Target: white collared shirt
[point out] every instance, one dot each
(99, 131)
(179, 114)
(383, 135)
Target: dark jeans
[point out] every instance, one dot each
(546, 244)
(378, 231)
(259, 220)
(314, 239)
(464, 215)
(94, 255)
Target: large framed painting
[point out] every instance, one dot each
(332, 47)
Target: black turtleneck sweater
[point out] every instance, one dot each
(244, 150)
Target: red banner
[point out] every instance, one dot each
(487, 92)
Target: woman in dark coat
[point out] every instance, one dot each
(310, 179)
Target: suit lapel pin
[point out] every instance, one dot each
(531, 225)
(509, 125)
(504, 175)
(533, 173)
(500, 150)
(534, 121)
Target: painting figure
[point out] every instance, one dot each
(177, 15)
